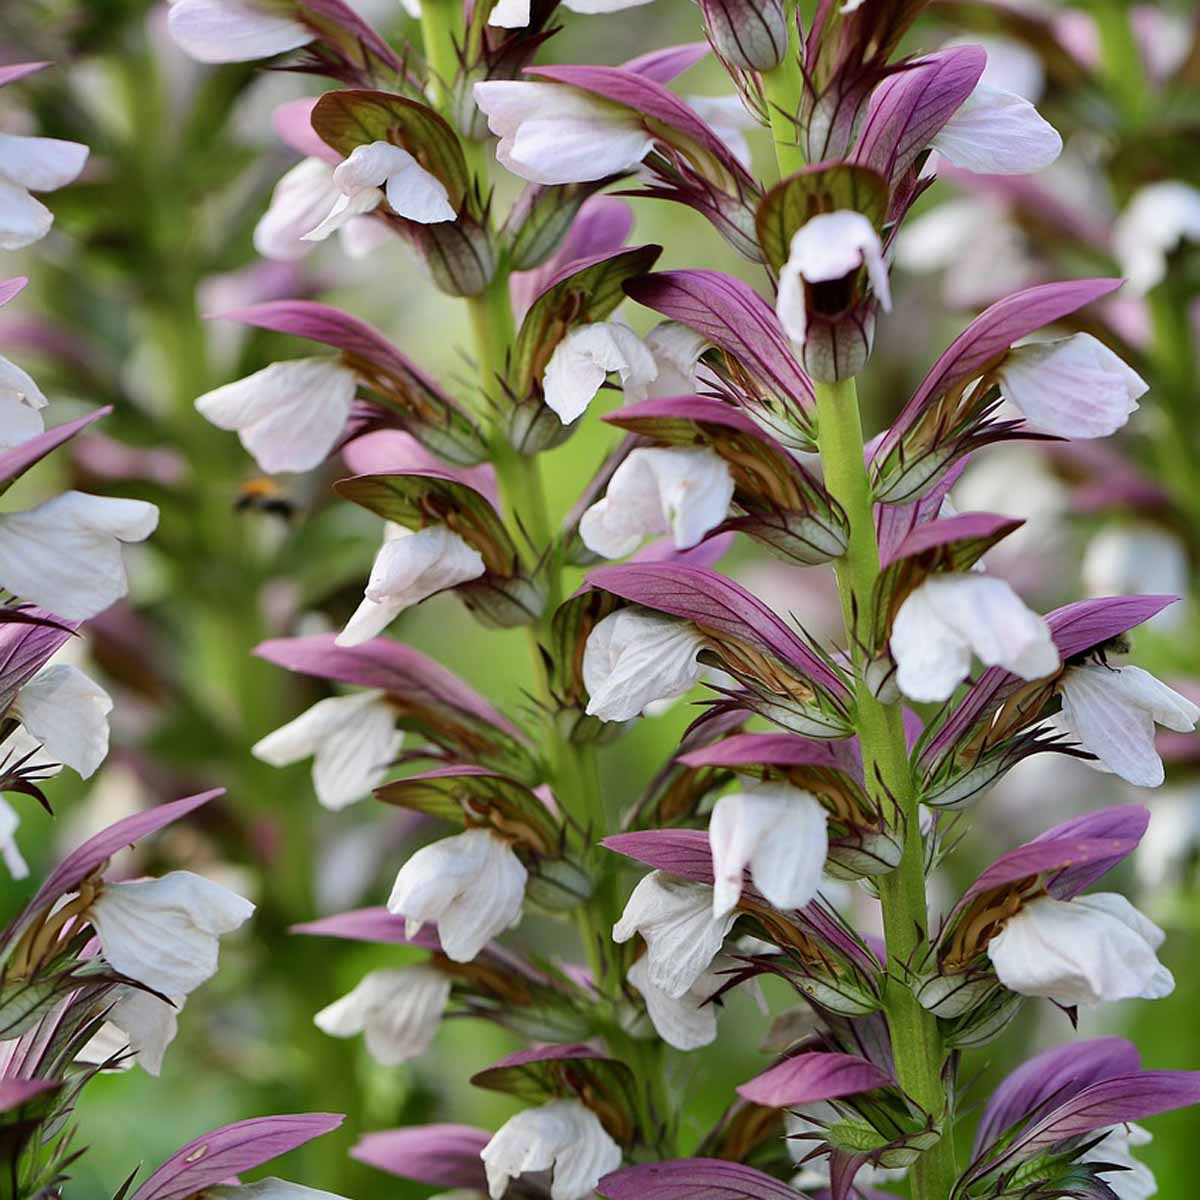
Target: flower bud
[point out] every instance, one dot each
(749, 34)
(559, 885)
(503, 602)
(984, 1023)
(459, 255)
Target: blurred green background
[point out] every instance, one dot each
(183, 162)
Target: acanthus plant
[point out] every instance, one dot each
(741, 416)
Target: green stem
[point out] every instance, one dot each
(1121, 58)
(916, 1042)
(1176, 446)
(439, 24)
(783, 89)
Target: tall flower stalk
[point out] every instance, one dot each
(812, 765)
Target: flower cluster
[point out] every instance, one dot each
(95, 969)
(824, 777)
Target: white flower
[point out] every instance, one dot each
(1075, 387)
(1139, 557)
(289, 415)
(21, 401)
(995, 132)
(1084, 951)
(1115, 1148)
(634, 657)
(949, 617)
(67, 713)
(1112, 713)
(471, 886)
(780, 833)
(814, 1174)
(585, 356)
(563, 1137)
(683, 492)
(303, 198)
(352, 741)
(10, 852)
(729, 119)
(163, 932)
(139, 1024)
(554, 134)
(594, 7)
(1160, 218)
(676, 351)
(686, 1022)
(410, 567)
(224, 31)
(510, 14)
(411, 190)
(32, 164)
(268, 1189)
(676, 920)
(65, 554)
(398, 1010)
(828, 247)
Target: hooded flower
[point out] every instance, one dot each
(289, 415)
(683, 492)
(826, 249)
(949, 617)
(634, 657)
(163, 932)
(65, 554)
(398, 1010)
(411, 190)
(686, 1022)
(1085, 951)
(21, 402)
(1112, 712)
(352, 741)
(588, 353)
(1074, 388)
(675, 918)
(676, 351)
(562, 1137)
(410, 567)
(224, 31)
(65, 711)
(470, 885)
(302, 199)
(140, 1025)
(1159, 219)
(995, 132)
(780, 833)
(553, 134)
(32, 164)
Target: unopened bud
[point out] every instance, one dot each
(458, 254)
(503, 602)
(750, 34)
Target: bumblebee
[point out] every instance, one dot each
(1119, 644)
(264, 495)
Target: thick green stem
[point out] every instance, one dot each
(783, 89)
(916, 1043)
